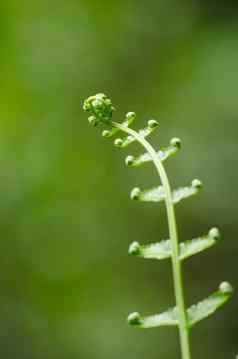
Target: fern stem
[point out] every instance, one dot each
(176, 264)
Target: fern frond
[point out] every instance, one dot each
(163, 154)
(101, 110)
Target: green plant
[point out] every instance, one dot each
(101, 110)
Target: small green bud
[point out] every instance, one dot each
(93, 121)
(105, 133)
(175, 142)
(97, 103)
(152, 123)
(118, 142)
(135, 193)
(197, 183)
(214, 233)
(226, 288)
(86, 106)
(134, 319)
(134, 248)
(130, 116)
(100, 106)
(129, 160)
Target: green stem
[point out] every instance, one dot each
(176, 264)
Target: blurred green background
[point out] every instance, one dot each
(66, 221)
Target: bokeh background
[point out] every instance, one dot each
(66, 221)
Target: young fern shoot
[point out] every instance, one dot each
(101, 110)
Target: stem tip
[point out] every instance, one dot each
(135, 193)
(134, 248)
(129, 160)
(134, 318)
(226, 287)
(214, 233)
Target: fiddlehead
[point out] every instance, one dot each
(101, 110)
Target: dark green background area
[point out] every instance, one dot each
(66, 220)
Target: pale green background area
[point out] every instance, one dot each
(66, 221)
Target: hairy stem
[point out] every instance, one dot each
(176, 264)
